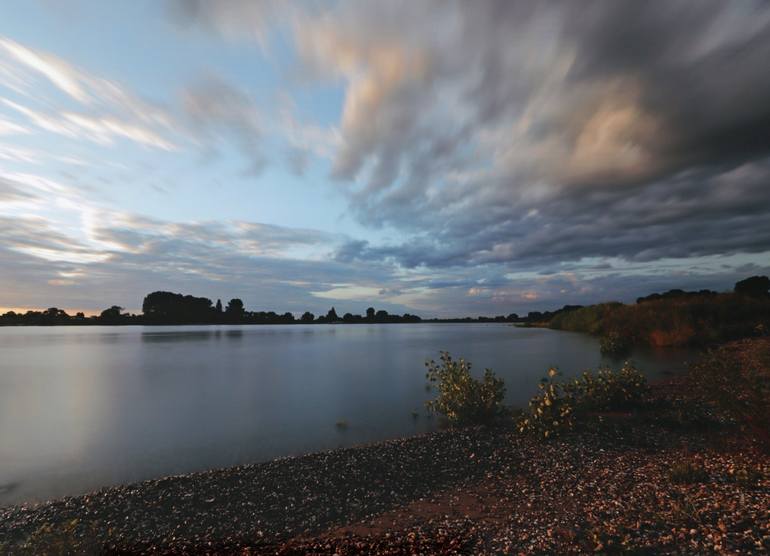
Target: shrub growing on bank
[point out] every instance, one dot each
(552, 411)
(462, 399)
(615, 344)
(561, 405)
(675, 321)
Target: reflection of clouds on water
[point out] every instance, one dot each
(90, 407)
(190, 336)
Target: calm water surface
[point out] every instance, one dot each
(86, 407)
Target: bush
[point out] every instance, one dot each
(609, 390)
(586, 319)
(561, 405)
(614, 344)
(552, 411)
(462, 399)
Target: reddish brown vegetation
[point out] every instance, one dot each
(693, 320)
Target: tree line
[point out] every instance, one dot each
(162, 307)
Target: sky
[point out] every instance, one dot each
(445, 158)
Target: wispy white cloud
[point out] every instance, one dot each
(108, 111)
(57, 71)
(8, 127)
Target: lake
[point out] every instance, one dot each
(86, 407)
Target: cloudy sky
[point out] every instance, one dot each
(438, 157)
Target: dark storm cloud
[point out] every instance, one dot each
(524, 134)
(647, 129)
(700, 67)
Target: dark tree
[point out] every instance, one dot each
(113, 315)
(218, 306)
(307, 316)
(756, 286)
(175, 308)
(234, 311)
(370, 313)
(381, 316)
(54, 316)
(331, 316)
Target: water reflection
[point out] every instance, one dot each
(81, 408)
(176, 336)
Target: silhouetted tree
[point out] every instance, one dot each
(234, 310)
(218, 306)
(175, 308)
(287, 317)
(381, 316)
(534, 316)
(307, 316)
(370, 313)
(675, 293)
(756, 286)
(53, 316)
(331, 316)
(112, 315)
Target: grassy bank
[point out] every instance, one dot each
(685, 321)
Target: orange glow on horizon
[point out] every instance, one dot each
(69, 311)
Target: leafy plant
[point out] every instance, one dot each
(561, 405)
(608, 390)
(614, 344)
(462, 399)
(552, 411)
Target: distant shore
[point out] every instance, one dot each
(460, 491)
(139, 323)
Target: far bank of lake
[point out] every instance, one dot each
(85, 407)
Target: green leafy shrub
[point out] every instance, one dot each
(608, 390)
(561, 405)
(615, 344)
(586, 319)
(552, 411)
(462, 399)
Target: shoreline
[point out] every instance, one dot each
(456, 491)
